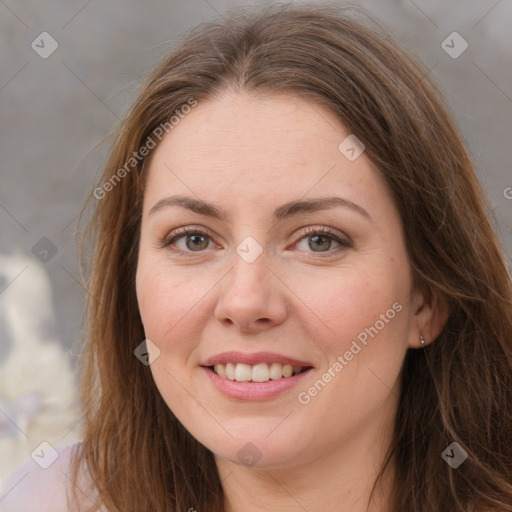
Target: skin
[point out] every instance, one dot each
(301, 297)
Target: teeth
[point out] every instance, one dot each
(276, 371)
(261, 372)
(243, 372)
(220, 369)
(287, 370)
(230, 371)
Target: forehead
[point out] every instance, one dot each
(272, 128)
(243, 147)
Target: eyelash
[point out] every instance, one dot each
(166, 242)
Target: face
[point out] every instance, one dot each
(273, 282)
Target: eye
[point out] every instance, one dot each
(320, 240)
(194, 240)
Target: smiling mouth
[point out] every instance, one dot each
(262, 372)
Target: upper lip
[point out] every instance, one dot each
(252, 359)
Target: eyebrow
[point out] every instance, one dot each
(285, 211)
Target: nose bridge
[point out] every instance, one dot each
(250, 258)
(250, 295)
(249, 277)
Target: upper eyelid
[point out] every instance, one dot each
(185, 231)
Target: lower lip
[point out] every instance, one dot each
(253, 390)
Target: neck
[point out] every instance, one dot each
(340, 479)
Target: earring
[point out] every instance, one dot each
(422, 339)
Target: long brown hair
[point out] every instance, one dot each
(457, 389)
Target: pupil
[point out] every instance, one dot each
(201, 239)
(195, 238)
(318, 237)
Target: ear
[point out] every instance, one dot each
(430, 316)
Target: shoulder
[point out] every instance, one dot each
(42, 483)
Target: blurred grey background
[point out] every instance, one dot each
(62, 94)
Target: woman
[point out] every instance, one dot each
(297, 299)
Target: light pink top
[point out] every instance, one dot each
(31, 488)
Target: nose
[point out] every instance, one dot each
(252, 297)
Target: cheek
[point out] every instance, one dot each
(170, 305)
(360, 323)
(171, 302)
(351, 303)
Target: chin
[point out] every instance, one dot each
(257, 449)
